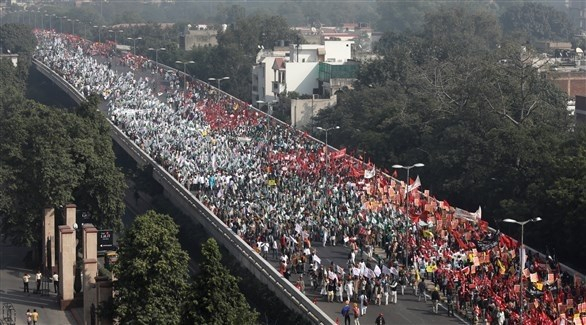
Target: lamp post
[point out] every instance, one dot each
(134, 43)
(99, 32)
(407, 168)
(157, 53)
(521, 258)
(115, 32)
(61, 18)
(326, 130)
(185, 63)
(72, 25)
(219, 80)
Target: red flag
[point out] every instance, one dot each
(338, 154)
(395, 174)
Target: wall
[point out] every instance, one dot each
(339, 51)
(302, 77)
(302, 110)
(184, 200)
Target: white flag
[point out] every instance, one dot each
(386, 270)
(340, 269)
(316, 259)
(377, 270)
(415, 185)
(355, 271)
(369, 173)
(478, 213)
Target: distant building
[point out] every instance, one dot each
(198, 36)
(315, 71)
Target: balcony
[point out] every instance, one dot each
(278, 87)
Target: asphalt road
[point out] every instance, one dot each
(407, 311)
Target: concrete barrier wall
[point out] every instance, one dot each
(200, 214)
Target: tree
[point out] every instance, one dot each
(152, 272)
(537, 22)
(214, 297)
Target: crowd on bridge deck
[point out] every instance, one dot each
(282, 192)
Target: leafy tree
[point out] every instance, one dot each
(50, 157)
(152, 272)
(214, 297)
(537, 22)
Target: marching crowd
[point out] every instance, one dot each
(282, 191)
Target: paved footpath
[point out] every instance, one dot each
(12, 268)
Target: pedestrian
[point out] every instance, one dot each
(35, 316)
(56, 282)
(394, 285)
(421, 291)
(29, 317)
(435, 297)
(380, 320)
(346, 313)
(39, 276)
(356, 312)
(25, 278)
(450, 301)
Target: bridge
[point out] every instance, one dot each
(310, 305)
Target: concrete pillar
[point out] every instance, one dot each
(104, 293)
(90, 271)
(49, 240)
(66, 264)
(70, 211)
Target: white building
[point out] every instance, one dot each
(299, 68)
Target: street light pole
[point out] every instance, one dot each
(219, 80)
(326, 130)
(157, 53)
(408, 169)
(134, 43)
(185, 63)
(521, 257)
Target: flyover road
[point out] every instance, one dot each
(407, 311)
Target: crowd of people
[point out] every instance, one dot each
(282, 192)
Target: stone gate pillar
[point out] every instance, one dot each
(90, 271)
(48, 240)
(66, 264)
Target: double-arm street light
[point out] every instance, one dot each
(134, 39)
(326, 130)
(521, 258)
(99, 32)
(185, 63)
(157, 53)
(406, 202)
(219, 80)
(115, 31)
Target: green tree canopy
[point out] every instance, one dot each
(152, 272)
(537, 21)
(51, 157)
(214, 297)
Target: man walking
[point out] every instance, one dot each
(421, 291)
(380, 320)
(435, 297)
(346, 313)
(25, 278)
(56, 282)
(35, 317)
(39, 276)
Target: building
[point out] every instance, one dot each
(297, 69)
(198, 36)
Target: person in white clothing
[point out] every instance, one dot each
(349, 289)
